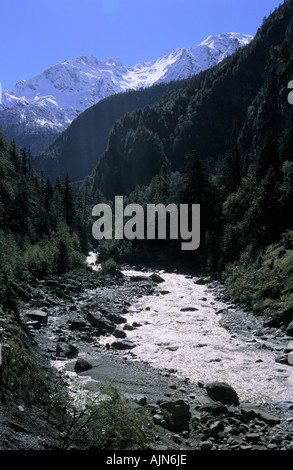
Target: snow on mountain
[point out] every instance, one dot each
(40, 108)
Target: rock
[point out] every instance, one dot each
(119, 333)
(38, 315)
(122, 344)
(176, 415)
(281, 359)
(271, 322)
(221, 391)
(158, 419)
(100, 322)
(206, 445)
(289, 347)
(138, 278)
(142, 401)
(253, 437)
(66, 350)
(128, 327)
(156, 278)
(77, 325)
(216, 408)
(290, 358)
(35, 325)
(262, 416)
(188, 309)
(82, 365)
(115, 317)
(289, 330)
(201, 281)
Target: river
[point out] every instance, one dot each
(181, 330)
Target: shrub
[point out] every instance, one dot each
(110, 267)
(108, 422)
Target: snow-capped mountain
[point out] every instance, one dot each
(38, 109)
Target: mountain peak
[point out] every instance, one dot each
(54, 98)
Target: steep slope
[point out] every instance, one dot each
(77, 150)
(39, 109)
(249, 88)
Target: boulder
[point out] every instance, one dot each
(176, 415)
(289, 330)
(221, 391)
(156, 278)
(262, 416)
(128, 327)
(216, 408)
(123, 344)
(82, 365)
(66, 350)
(119, 333)
(35, 325)
(77, 325)
(188, 309)
(100, 322)
(38, 315)
(116, 317)
(201, 281)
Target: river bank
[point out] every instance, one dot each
(59, 315)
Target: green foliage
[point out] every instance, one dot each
(39, 259)
(110, 267)
(68, 252)
(19, 372)
(108, 422)
(43, 228)
(264, 279)
(247, 89)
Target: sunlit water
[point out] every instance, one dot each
(196, 346)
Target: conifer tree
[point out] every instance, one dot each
(231, 165)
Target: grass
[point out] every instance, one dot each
(264, 280)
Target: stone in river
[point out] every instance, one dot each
(290, 358)
(188, 309)
(221, 391)
(119, 333)
(82, 365)
(156, 278)
(123, 344)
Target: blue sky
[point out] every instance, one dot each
(36, 34)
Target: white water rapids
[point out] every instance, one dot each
(195, 345)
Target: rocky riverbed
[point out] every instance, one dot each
(86, 327)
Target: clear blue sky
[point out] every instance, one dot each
(35, 34)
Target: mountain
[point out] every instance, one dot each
(39, 109)
(77, 150)
(249, 88)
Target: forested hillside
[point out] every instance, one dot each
(223, 140)
(248, 88)
(77, 150)
(44, 228)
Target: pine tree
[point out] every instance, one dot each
(268, 158)
(68, 203)
(231, 165)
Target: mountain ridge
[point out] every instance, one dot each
(39, 109)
